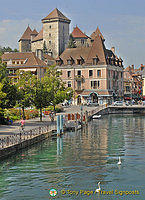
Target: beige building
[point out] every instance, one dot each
(37, 63)
(54, 35)
(95, 73)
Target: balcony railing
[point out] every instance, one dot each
(79, 78)
(79, 89)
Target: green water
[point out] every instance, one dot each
(78, 161)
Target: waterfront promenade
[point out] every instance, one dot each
(7, 130)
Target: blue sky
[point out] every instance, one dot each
(122, 22)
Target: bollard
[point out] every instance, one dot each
(61, 123)
(58, 124)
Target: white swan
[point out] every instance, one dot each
(98, 190)
(119, 163)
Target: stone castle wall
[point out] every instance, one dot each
(36, 45)
(25, 46)
(63, 36)
(50, 36)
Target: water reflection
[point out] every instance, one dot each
(59, 145)
(78, 161)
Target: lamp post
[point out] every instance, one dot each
(81, 113)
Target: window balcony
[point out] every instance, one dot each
(79, 78)
(79, 89)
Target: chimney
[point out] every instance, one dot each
(113, 49)
(39, 54)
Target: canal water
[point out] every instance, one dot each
(74, 164)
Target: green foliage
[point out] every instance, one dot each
(14, 114)
(44, 47)
(6, 49)
(71, 42)
(8, 92)
(56, 87)
(25, 89)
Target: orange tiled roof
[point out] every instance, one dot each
(77, 33)
(39, 36)
(27, 34)
(46, 56)
(96, 33)
(97, 50)
(56, 14)
(29, 59)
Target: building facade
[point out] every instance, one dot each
(37, 63)
(95, 73)
(54, 35)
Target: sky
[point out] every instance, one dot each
(122, 22)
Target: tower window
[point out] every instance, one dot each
(49, 34)
(68, 73)
(49, 42)
(90, 73)
(50, 26)
(98, 73)
(79, 73)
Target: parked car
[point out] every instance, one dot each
(118, 103)
(91, 104)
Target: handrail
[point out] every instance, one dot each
(24, 135)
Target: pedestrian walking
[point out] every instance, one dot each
(22, 123)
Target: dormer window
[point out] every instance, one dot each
(95, 61)
(80, 61)
(70, 61)
(59, 62)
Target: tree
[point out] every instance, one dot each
(56, 87)
(8, 92)
(25, 89)
(6, 49)
(40, 95)
(44, 47)
(71, 42)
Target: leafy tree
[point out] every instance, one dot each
(40, 95)
(25, 89)
(8, 92)
(44, 47)
(56, 87)
(71, 42)
(6, 49)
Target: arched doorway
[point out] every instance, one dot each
(94, 97)
(79, 101)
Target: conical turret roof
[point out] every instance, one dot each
(97, 32)
(39, 36)
(34, 32)
(27, 34)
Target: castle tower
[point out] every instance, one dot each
(55, 32)
(25, 40)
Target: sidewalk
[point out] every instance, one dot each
(6, 130)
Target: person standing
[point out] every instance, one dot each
(22, 123)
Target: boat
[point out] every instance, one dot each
(96, 116)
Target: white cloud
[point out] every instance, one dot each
(12, 30)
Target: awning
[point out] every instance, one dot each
(30, 69)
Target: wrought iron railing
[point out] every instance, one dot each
(25, 135)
